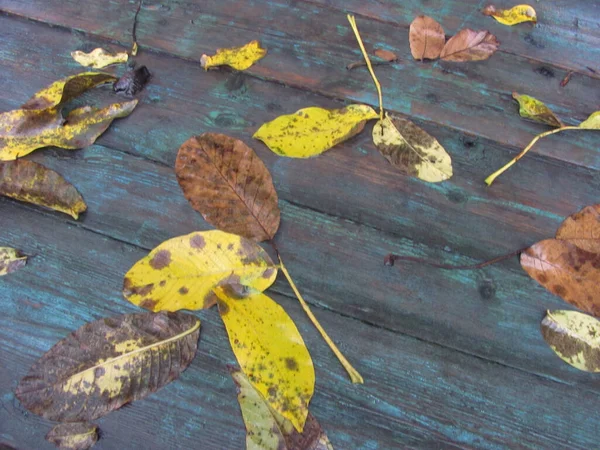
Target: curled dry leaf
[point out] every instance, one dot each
(582, 229)
(470, 45)
(411, 149)
(592, 122)
(229, 185)
(532, 108)
(311, 131)
(132, 82)
(99, 58)
(266, 429)
(182, 272)
(11, 260)
(574, 337)
(73, 435)
(426, 37)
(31, 182)
(270, 351)
(240, 58)
(107, 363)
(516, 14)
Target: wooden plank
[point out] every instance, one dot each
(417, 395)
(309, 46)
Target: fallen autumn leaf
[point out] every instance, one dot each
(470, 45)
(426, 37)
(239, 58)
(11, 260)
(73, 435)
(99, 58)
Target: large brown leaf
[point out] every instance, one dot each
(470, 45)
(426, 38)
(229, 185)
(582, 229)
(107, 363)
(31, 182)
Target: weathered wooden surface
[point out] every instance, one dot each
(451, 359)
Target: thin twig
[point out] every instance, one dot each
(134, 46)
(356, 64)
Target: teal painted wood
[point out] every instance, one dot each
(417, 395)
(309, 47)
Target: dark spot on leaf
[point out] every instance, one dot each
(183, 290)
(230, 246)
(209, 301)
(161, 259)
(291, 364)
(559, 290)
(272, 391)
(197, 242)
(99, 371)
(268, 273)
(149, 304)
(223, 307)
(542, 278)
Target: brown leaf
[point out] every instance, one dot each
(73, 436)
(566, 270)
(229, 185)
(386, 55)
(426, 38)
(31, 182)
(582, 229)
(470, 45)
(107, 363)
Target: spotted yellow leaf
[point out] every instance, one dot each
(311, 131)
(107, 363)
(240, 58)
(182, 272)
(411, 149)
(516, 14)
(11, 260)
(532, 108)
(73, 435)
(99, 58)
(592, 122)
(574, 337)
(270, 351)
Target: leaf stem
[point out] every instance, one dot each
(354, 375)
(489, 180)
(352, 21)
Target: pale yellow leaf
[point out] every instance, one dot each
(534, 109)
(311, 131)
(592, 122)
(240, 58)
(516, 14)
(99, 58)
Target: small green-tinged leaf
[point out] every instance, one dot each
(533, 109)
(31, 182)
(311, 131)
(574, 337)
(99, 58)
(11, 260)
(73, 435)
(240, 58)
(516, 14)
(270, 350)
(266, 429)
(107, 363)
(592, 122)
(411, 149)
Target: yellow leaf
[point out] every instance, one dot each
(311, 131)
(532, 108)
(10, 260)
(516, 14)
(240, 58)
(182, 272)
(592, 122)
(99, 58)
(22, 131)
(270, 351)
(134, 49)
(411, 149)
(574, 337)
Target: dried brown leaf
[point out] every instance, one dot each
(386, 55)
(73, 435)
(582, 229)
(426, 37)
(470, 45)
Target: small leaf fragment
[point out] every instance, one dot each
(533, 109)
(426, 37)
(270, 351)
(516, 14)
(470, 45)
(229, 185)
(99, 58)
(582, 229)
(386, 55)
(11, 260)
(592, 122)
(411, 149)
(240, 58)
(107, 363)
(182, 272)
(311, 131)
(132, 81)
(266, 429)
(30, 182)
(574, 337)
(73, 435)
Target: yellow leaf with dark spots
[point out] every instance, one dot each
(574, 337)
(31, 182)
(91, 373)
(11, 260)
(73, 436)
(311, 131)
(99, 58)
(240, 58)
(516, 14)
(270, 351)
(532, 108)
(182, 272)
(592, 122)
(411, 149)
